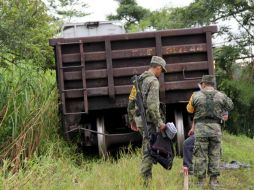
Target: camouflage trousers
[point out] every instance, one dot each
(207, 152)
(147, 160)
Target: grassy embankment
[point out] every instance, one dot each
(61, 169)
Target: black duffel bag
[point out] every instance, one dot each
(161, 150)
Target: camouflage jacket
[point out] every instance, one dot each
(149, 86)
(208, 106)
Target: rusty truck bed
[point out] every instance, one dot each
(95, 71)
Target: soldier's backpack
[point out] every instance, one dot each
(161, 150)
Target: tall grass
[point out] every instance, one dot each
(28, 108)
(60, 168)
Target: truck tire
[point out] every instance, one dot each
(180, 132)
(102, 146)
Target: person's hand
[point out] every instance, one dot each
(134, 126)
(225, 117)
(191, 132)
(162, 127)
(185, 170)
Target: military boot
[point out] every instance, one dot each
(201, 183)
(147, 181)
(214, 183)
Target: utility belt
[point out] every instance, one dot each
(208, 120)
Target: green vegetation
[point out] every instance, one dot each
(25, 28)
(236, 80)
(66, 9)
(60, 168)
(34, 156)
(29, 111)
(130, 12)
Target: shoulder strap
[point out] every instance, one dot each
(141, 80)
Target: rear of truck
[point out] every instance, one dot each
(93, 77)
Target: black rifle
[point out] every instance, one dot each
(140, 105)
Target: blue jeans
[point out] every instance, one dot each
(188, 146)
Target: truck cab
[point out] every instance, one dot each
(98, 28)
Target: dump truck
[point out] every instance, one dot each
(94, 81)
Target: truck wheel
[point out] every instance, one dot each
(65, 128)
(102, 146)
(180, 132)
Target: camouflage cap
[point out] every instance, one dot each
(159, 61)
(208, 79)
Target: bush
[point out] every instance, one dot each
(234, 77)
(241, 118)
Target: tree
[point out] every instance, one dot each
(165, 18)
(225, 59)
(159, 20)
(67, 9)
(25, 28)
(130, 12)
(205, 12)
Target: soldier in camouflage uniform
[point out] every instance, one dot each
(208, 106)
(149, 86)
